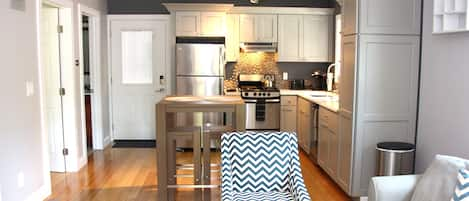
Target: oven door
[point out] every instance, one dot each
(262, 115)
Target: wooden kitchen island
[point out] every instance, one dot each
(166, 110)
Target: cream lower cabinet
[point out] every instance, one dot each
(288, 113)
(304, 124)
(328, 142)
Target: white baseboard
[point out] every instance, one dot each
(363, 198)
(41, 194)
(107, 141)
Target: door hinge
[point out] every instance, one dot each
(65, 151)
(62, 91)
(60, 29)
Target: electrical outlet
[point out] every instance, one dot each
(20, 180)
(29, 88)
(19, 5)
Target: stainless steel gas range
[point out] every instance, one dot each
(262, 103)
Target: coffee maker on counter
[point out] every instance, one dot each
(318, 82)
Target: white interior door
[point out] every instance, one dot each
(50, 55)
(138, 62)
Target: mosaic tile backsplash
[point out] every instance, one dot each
(254, 63)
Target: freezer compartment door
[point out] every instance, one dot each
(200, 59)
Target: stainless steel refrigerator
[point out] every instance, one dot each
(200, 69)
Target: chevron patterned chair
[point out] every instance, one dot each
(261, 166)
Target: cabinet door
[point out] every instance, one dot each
(232, 37)
(247, 26)
(349, 25)
(347, 75)
(333, 161)
(213, 24)
(266, 28)
(323, 146)
(187, 23)
(390, 16)
(300, 127)
(345, 152)
(288, 118)
(289, 37)
(318, 38)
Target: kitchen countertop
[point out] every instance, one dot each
(328, 100)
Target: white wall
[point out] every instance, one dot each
(21, 150)
(20, 127)
(444, 96)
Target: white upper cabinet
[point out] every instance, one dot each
(213, 24)
(187, 23)
(266, 28)
(232, 37)
(379, 16)
(318, 38)
(349, 22)
(258, 28)
(200, 23)
(305, 38)
(289, 34)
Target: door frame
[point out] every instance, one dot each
(62, 5)
(170, 54)
(95, 75)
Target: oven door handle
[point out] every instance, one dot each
(266, 101)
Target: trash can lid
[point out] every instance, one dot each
(399, 146)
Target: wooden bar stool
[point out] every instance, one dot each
(211, 133)
(174, 135)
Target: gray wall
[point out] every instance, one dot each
(444, 111)
(20, 128)
(155, 7)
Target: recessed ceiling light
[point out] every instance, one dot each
(254, 1)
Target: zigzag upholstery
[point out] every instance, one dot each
(261, 166)
(461, 193)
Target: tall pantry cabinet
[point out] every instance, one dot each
(379, 84)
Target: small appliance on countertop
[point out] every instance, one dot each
(318, 82)
(297, 84)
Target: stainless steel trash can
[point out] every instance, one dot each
(395, 158)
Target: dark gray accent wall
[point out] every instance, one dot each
(296, 70)
(155, 6)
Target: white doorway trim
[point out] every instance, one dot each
(67, 5)
(70, 100)
(95, 75)
(170, 51)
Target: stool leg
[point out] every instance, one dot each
(171, 166)
(197, 163)
(206, 166)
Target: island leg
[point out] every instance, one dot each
(161, 152)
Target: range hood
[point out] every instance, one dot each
(258, 47)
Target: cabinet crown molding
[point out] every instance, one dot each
(201, 7)
(281, 10)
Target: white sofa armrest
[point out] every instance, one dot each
(392, 188)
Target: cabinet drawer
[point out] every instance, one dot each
(288, 100)
(328, 119)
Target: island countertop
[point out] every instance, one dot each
(202, 100)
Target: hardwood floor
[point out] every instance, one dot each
(130, 175)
